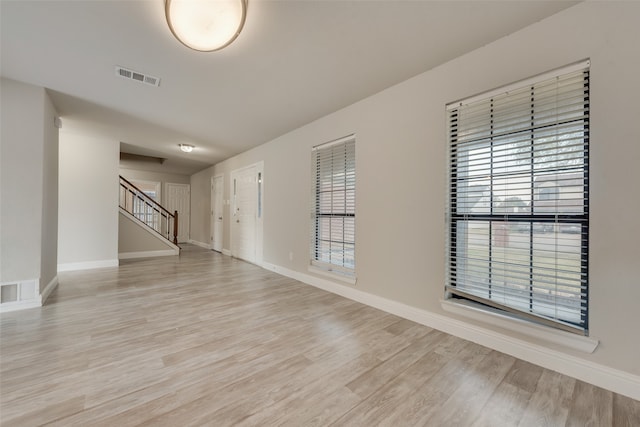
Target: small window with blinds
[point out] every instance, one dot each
(333, 210)
(518, 218)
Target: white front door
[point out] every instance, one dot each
(179, 199)
(217, 187)
(246, 209)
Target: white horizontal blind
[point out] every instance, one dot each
(333, 211)
(518, 200)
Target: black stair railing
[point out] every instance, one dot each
(148, 211)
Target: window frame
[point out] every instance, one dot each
(334, 264)
(554, 219)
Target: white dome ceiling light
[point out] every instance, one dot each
(206, 25)
(187, 148)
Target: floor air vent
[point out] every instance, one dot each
(134, 75)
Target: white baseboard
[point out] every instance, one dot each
(148, 254)
(87, 265)
(202, 245)
(51, 286)
(226, 252)
(19, 305)
(602, 376)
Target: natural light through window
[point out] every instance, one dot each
(518, 199)
(333, 210)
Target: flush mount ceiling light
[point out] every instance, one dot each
(206, 25)
(187, 148)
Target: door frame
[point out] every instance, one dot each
(213, 219)
(260, 194)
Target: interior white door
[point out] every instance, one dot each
(244, 208)
(217, 187)
(179, 199)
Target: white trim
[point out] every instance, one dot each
(348, 278)
(148, 254)
(51, 286)
(202, 245)
(334, 142)
(28, 290)
(20, 305)
(577, 66)
(226, 252)
(87, 265)
(29, 287)
(602, 376)
(212, 218)
(544, 333)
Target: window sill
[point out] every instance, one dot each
(347, 279)
(529, 329)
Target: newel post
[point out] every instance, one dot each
(175, 227)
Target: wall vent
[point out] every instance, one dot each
(8, 293)
(126, 73)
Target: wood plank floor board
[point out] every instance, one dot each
(414, 407)
(626, 411)
(591, 406)
(331, 398)
(200, 410)
(332, 406)
(333, 359)
(505, 407)
(52, 411)
(550, 403)
(179, 387)
(472, 394)
(378, 345)
(524, 375)
(369, 382)
(205, 339)
(408, 329)
(510, 399)
(375, 408)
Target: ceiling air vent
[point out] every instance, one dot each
(134, 75)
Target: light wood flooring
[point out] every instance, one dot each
(205, 339)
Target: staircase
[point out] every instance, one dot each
(148, 212)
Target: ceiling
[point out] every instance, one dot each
(295, 61)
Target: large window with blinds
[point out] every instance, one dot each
(333, 210)
(518, 219)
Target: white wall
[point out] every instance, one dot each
(134, 238)
(49, 238)
(88, 203)
(401, 175)
(22, 176)
(29, 189)
(200, 221)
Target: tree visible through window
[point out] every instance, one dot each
(518, 200)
